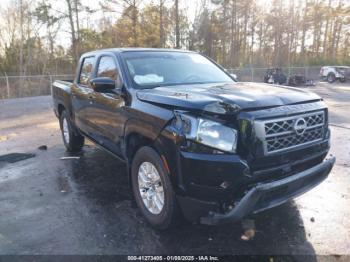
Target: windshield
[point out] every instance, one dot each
(153, 69)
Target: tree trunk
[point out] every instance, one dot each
(334, 34)
(73, 32)
(223, 37)
(245, 31)
(21, 60)
(161, 24)
(177, 24)
(303, 36)
(337, 40)
(76, 2)
(233, 35)
(318, 38)
(326, 31)
(134, 23)
(261, 33)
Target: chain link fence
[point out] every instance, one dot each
(257, 74)
(26, 86)
(37, 85)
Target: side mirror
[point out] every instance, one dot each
(234, 76)
(102, 84)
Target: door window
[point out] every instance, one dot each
(86, 70)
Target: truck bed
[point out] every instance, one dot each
(61, 90)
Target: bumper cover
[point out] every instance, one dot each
(268, 195)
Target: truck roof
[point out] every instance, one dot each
(136, 49)
(338, 66)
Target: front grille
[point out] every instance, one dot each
(279, 143)
(286, 133)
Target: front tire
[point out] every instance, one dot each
(73, 142)
(331, 78)
(152, 189)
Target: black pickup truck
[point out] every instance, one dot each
(196, 143)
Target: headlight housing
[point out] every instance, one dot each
(207, 132)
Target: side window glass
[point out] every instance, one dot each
(86, 70)
(107, 68)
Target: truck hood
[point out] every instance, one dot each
(226, 98)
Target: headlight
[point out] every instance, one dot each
(207, 132)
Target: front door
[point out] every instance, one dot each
(108, 115)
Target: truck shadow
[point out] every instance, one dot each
(279, 231)
(101, 179)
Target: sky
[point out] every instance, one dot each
(190, 6)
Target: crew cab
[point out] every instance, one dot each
(195, 142)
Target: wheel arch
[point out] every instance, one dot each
(139, 134)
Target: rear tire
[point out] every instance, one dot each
(331, 78)
(73, 141)
(156, 201)
(342, 80)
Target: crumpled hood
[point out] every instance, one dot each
(226, 98)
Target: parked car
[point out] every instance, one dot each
(195, 142)
(300, 81)
(334, 73)
(275, 76)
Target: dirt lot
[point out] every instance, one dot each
(84, 206)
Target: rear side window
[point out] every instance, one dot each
(86, 70)
(107, 68)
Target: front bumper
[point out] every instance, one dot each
(268, 195)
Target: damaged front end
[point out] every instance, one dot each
(223, 181)
(267, 195)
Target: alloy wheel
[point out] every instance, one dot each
(151, 188)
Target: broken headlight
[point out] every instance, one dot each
(207, 132)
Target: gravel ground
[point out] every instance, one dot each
(84, 206)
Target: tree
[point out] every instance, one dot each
(52, 23)
(236, 33)
(177, 24)
(161, 23)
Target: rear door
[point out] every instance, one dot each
(108, 116)
(83, 95)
